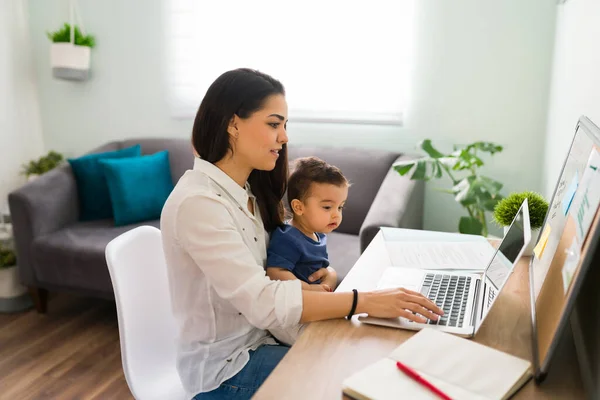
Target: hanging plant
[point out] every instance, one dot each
(63, 35)
(71, 49)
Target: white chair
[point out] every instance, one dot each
(146, 324)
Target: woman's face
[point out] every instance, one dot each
(258, 138)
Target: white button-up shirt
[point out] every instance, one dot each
(223, 301)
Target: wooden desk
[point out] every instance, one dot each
(330, 351)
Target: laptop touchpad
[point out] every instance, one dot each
(408, 278)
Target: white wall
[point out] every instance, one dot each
(481, 72)
(575, 89)
(20, 125)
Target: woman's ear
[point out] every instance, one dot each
(232, 128)
(297, 207)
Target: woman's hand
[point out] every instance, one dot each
(328, 276)
(400, 302)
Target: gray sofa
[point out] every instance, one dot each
(56, 252)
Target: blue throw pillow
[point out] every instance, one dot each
(94, 199)
(138, 186)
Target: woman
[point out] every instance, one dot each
(214, 228)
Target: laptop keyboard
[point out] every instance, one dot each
(450, 293)
(491, 296)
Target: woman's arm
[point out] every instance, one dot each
(388, 303)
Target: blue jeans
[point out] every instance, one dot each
(245, 383)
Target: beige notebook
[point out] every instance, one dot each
(459, 367)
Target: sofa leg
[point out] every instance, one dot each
(40, 299)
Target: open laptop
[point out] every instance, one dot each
(465, 297)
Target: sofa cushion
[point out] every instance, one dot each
(181, 155)
(74, 256)
(344, 251)
(138, 186)
(365, 169)
(94, 198)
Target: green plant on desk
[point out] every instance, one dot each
(505, 210)
(475, 192)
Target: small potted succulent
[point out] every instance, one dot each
(34, 168)
(507, 208)
(70, 53)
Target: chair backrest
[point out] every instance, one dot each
(147, 327)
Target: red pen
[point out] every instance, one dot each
(413, 374)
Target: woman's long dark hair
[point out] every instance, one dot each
(241, 92)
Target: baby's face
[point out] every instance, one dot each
(323, 208)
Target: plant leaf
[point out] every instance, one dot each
(491, 185)
(437, 170)
(427, 147)
(464, 191)
(420, 171)
(463, 161)
(448, 161)
(487, 147)
(490, 205)
(466, 160)
(482, 192)
(403, 167)
(463, 184)
(449, 191)
(470, 225)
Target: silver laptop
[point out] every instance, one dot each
(465, 297)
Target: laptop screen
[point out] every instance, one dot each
(505, 259)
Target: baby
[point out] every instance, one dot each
(317, 192)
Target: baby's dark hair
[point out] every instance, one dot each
(309, 170)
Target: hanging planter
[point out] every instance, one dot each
(71, 50)
(70, 62)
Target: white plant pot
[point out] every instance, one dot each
(535, 233)
(69, 61)
(31, 177)
(10, 285)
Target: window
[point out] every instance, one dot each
(340, 61)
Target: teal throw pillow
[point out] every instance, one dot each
(138, 186)
(94, 198)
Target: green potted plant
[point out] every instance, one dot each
(478, 194)
(13, 295)
(34, 168)
(8, 258)
(507, 208)
(10, 286)
(70, 52)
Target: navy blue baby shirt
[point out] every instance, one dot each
(292, 250)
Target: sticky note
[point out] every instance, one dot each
(541, 244)
(569, 194)
(571, 263)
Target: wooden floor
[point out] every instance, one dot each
(72, 352)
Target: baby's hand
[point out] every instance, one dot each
(321, 287)
(328, 277)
